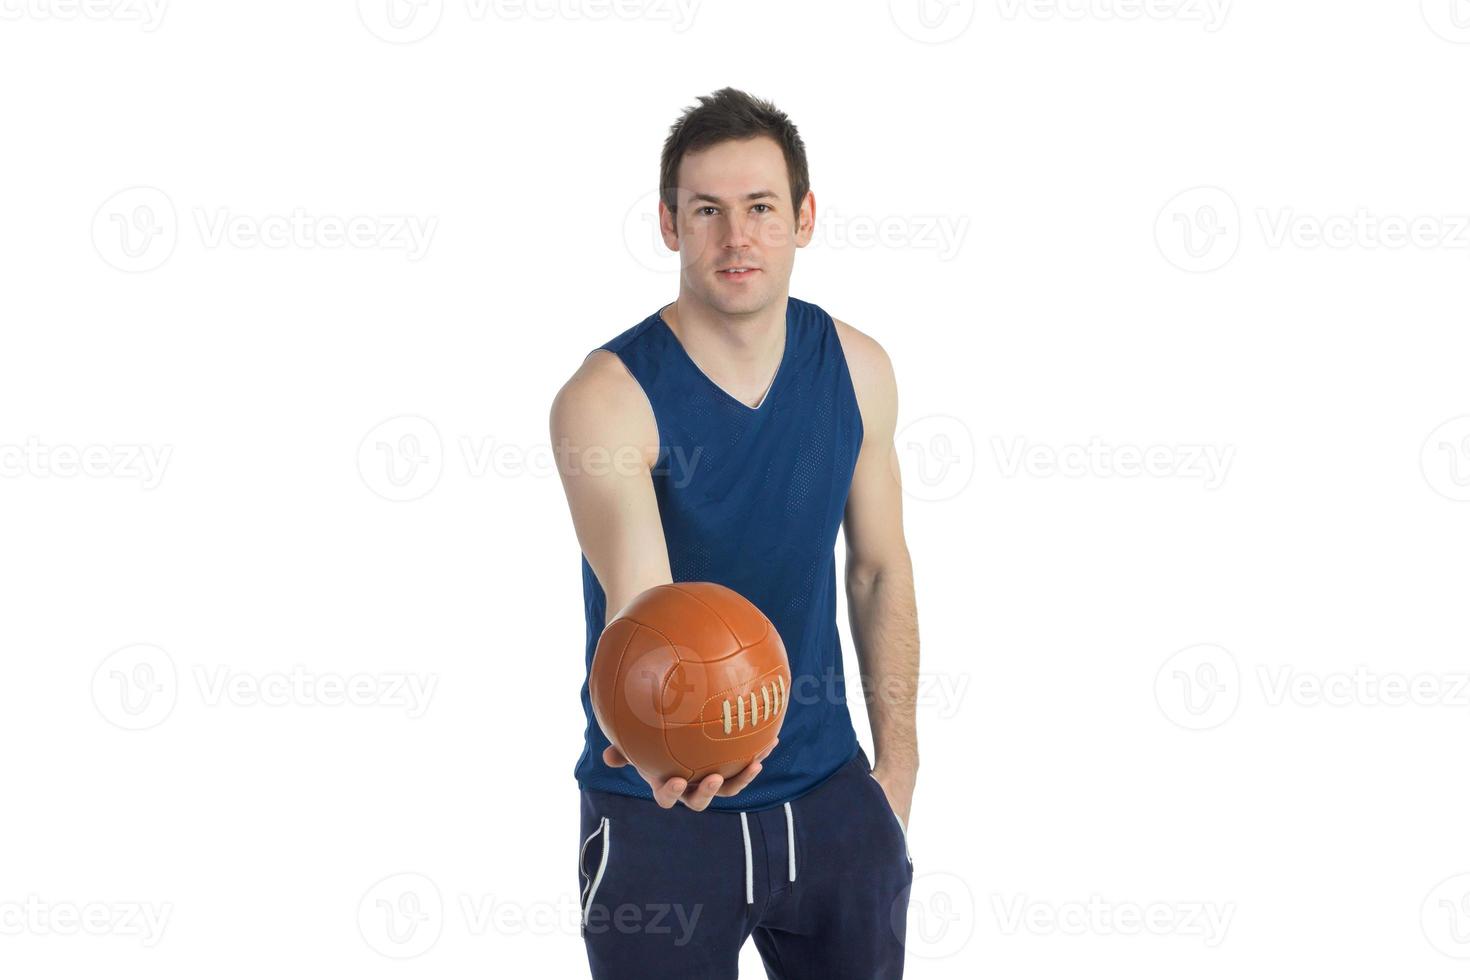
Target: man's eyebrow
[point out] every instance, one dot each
(753, 195)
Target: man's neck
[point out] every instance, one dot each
(740, 353)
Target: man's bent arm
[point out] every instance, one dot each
(882, 610)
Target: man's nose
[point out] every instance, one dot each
(737, 231)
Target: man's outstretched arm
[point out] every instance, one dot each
(880, 579)
(606, 442)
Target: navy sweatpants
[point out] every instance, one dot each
(821, 882)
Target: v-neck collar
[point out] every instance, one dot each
(775, 380)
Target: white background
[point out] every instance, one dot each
(1173, 694)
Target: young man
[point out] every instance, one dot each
(735, 430)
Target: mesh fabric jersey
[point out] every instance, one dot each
(752, 498)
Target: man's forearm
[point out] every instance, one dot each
(885, 628)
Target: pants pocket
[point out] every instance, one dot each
(594, 875)
(883, 799)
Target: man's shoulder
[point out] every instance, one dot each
(868, 364)
(602, 404)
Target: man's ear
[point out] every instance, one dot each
(668, 226)
(806, 219)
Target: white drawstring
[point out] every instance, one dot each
(749, 880)
(790, 845)
(790, 852)
(589, 892)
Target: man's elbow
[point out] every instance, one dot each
(865, 574)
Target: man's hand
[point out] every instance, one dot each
(677, 790)
(898, 786)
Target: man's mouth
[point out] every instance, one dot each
(738, 273)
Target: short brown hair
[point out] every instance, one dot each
(731, 114)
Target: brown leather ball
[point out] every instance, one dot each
(690, 679)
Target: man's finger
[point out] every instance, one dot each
(742, 780)
(699, 798)
(668, 794)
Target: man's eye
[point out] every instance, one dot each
(705, 208)
(766, 206)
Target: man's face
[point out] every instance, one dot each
(735, 211)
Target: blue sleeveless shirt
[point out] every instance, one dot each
(752, 498)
